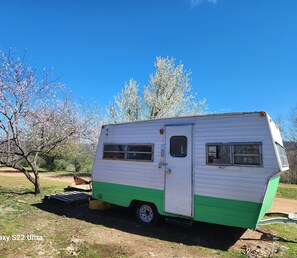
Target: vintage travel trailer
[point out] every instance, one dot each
(218, 168)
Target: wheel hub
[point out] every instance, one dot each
(146, 213)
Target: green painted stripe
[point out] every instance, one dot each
(207, 209)
(123, 195)
(269, 196)
(226, 212)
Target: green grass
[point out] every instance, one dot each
(17, 214)
(24, 218)
(220, 253)
(286, 234)
(287, 191)
(14, 191)
(21, 184)
(20, 216)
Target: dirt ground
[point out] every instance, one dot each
(284, 205)
(119, 231)
(14, 173)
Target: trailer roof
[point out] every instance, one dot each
(195, 116)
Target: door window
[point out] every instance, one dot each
(178, 146)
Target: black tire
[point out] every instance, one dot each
(147, 214)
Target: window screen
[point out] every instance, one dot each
(247, 154)
(178, 146)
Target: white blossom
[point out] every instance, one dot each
(37, 115)
(168, 94)
(127, 105)
(169, 91)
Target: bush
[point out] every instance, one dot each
(22, 163)
(60, 164)
(83, 163)
(289, 177)
(49, 163)
(77, 166)
(40, 162)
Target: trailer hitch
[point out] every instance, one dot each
(286, 218)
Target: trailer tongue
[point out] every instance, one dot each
(284, 218)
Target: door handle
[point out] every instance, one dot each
(168, 171)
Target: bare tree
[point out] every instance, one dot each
(290, 176)
(292, 130)
(36, 116)
(291, 148)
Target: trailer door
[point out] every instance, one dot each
(178, 170)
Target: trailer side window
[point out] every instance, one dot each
(248, 154)
(114, 151)
(141, 152)
(282, 154)
(219, 154)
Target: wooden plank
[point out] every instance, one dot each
(69, 197)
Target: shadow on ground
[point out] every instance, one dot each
(69, 174)
(200, 234)
(10, 193)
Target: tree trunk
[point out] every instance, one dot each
(36, 180)
(37, 183)
(36, 174)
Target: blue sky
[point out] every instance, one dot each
(242, 54)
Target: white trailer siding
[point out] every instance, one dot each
(134, 173)
(230, 182)
(216, 189)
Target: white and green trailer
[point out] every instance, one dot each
(218, 168)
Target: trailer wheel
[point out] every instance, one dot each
(147, 214)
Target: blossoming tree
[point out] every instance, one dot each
(168, 94)
(127, 104)
(37, 115)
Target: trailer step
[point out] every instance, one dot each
(180, 221)
(290, 218)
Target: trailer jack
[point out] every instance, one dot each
(284, 218)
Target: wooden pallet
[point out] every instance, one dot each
(68, 198)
